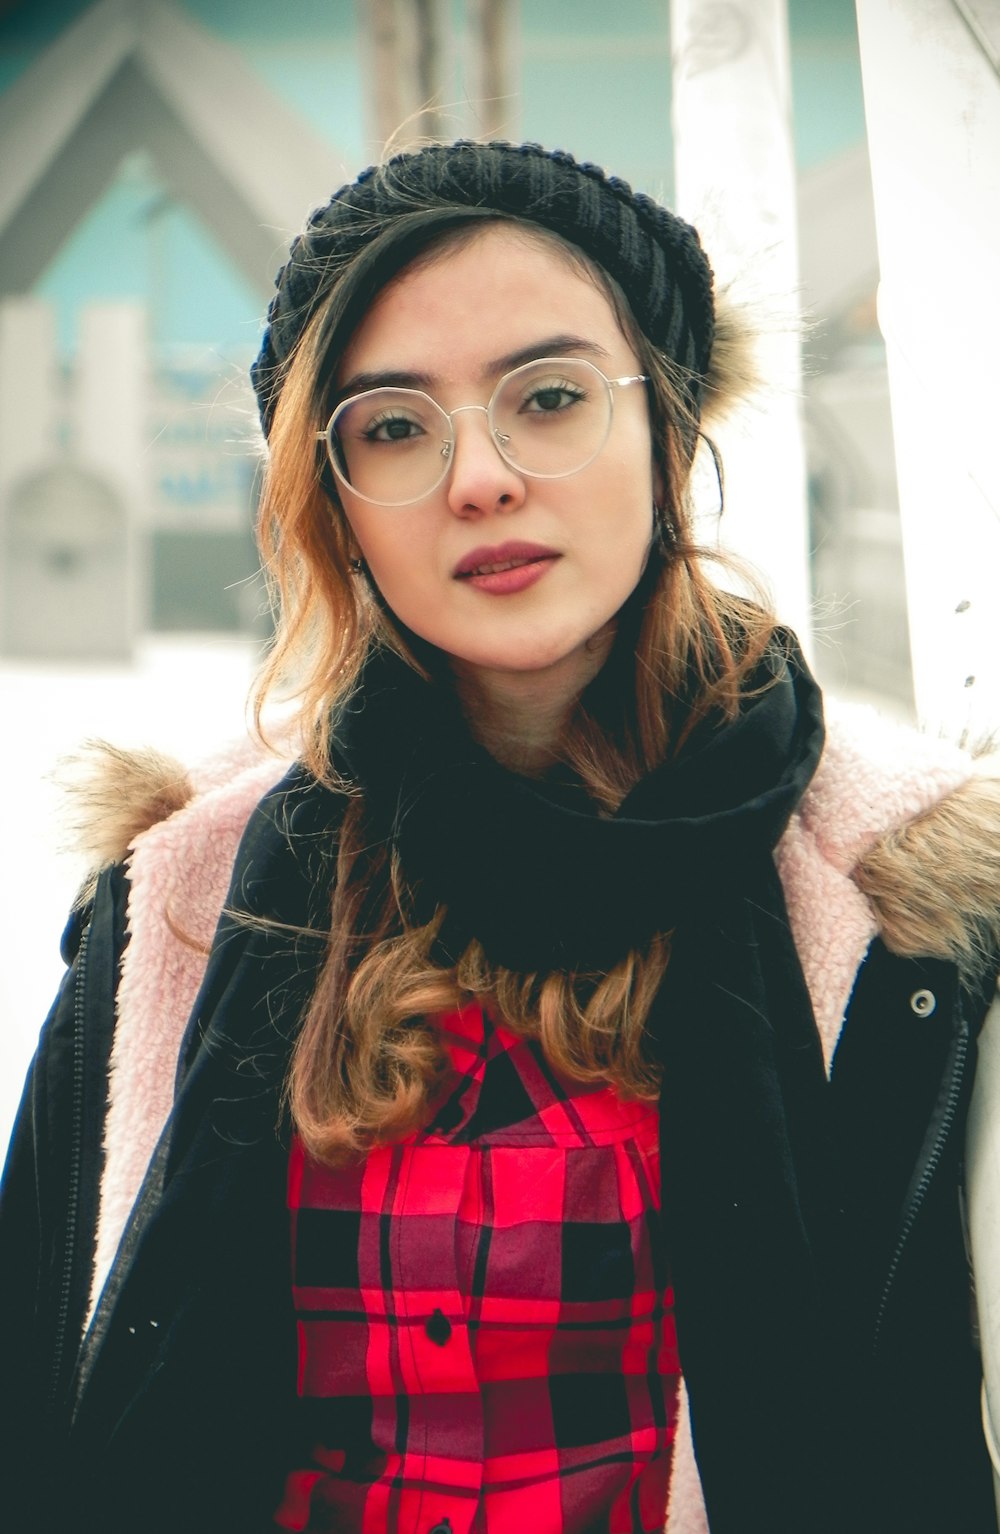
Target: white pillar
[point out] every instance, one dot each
(28, 398)
(932, 102)
(735, 171)
(113, 396)
(28, 387)
(112, 425)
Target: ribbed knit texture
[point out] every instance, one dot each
(655, 256)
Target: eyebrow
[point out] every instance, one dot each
(549, 346)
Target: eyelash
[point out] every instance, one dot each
(369, 433)
(557, 386)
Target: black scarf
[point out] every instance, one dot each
(749, 1178)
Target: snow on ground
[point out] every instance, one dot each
(184, 695)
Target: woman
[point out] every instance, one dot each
(563, 889)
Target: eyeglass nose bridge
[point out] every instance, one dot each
(500, 439)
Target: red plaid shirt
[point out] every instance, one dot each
(486, 1337)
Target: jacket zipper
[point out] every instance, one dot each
(931, 1164)
(75, 1171)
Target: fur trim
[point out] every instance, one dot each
(734, 372)
(935, 883)
(113, 796)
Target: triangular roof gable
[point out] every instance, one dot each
(141, 74)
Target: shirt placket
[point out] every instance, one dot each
(435, 1469)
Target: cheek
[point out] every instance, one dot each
(631, 464)
(632, 534)
(398, 562)
(623, 515)
(375, 540)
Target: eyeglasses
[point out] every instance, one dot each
(547, 419)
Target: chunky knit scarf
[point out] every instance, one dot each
(749, 1179)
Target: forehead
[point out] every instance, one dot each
(499, 291)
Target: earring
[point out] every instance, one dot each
(357, 566)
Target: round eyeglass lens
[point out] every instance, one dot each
(390, 445)
(550, 418)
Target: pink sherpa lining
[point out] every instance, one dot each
(685, 1505)
(179, 872)
(874, 777)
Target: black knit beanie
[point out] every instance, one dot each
(654, 256)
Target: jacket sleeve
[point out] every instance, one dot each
(982, 1188)
(48, 1201)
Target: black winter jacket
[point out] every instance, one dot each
(178, 1411)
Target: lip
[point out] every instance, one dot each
(505, 568)
(499, 558)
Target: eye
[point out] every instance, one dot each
(551, 397)
(392, 426)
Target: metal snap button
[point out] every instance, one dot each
(438, 1329)
(923, 1003)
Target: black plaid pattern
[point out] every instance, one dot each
(491, 1295)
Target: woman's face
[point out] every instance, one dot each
(571, 550)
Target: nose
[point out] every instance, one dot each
(481, 481)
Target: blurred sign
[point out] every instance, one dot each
(201, 460)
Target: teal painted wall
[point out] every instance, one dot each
(590, 78)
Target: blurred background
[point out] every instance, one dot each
(157, 155)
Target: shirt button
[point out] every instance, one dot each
(438, 1329)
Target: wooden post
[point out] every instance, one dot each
(427, 66)
(378, 22)
(403, 42)
(490, 27)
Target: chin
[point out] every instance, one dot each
(526, 663)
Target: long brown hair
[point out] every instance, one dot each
(368, 1066)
